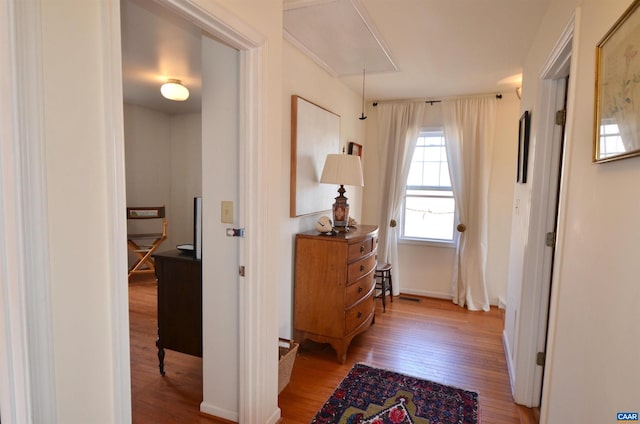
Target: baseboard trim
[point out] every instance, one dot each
(502, 304)
(438, 295)
(219, 413)
(510, 367)
(427, 293)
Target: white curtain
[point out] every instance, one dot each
(398, 130)
(469, 126)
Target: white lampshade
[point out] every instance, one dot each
(174, 90)
(343, 170)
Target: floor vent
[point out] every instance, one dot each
(413, 299)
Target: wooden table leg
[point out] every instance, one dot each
(160, 356)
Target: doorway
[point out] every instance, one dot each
(164, 147)
(255, 370)
(533, 333)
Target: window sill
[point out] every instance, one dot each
(427, 243)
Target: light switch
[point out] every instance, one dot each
(226, 212)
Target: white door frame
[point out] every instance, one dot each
(537, 267)
(27, 386)
(570, 54)
(28, 394)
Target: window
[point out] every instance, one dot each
(429, 206)
(610, 139)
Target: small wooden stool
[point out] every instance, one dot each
(384, 283)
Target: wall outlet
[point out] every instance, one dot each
(226, 212)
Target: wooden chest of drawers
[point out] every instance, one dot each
(179, 278)
(334, 286)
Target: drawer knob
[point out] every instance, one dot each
(360, 289)
(359, 314)
(362, 248)
(361, 268)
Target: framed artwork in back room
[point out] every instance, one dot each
(523, 147)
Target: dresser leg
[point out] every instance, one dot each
(160, 356)
(341, 351)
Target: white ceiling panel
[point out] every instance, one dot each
(338, 35)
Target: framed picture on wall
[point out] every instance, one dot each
(523, 147)
(617, 123)
(355, 149)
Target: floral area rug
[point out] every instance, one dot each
(370, 395)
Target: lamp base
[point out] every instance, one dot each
(341, 212)
(342, 229)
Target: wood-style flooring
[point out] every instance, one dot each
(174, 398)
(429, 338)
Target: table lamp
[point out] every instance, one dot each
(343, 170)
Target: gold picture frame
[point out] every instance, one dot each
(617, 100)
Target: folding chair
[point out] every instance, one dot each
(143, 245)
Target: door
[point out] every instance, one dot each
(552, 224)
(220, 254)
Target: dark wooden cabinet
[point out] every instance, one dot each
(179, 278)
(334, 286)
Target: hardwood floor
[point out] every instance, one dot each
(430, 338)
(174, 398)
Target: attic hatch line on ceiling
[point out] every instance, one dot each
(339, 35)
(431, 102)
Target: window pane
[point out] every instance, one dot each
(429, 193)
(429, 204)
(429, 217)
(433, 153)
(445, 178)
(415, 174)
(431, 175)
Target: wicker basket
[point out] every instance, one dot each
(287, 354)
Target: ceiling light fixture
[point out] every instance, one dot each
(174, 90)
(363, 117)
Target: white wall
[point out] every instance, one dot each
(163, 167)
(220, 176)
(426, 270)
(503, 177)
(304, 78)
(592, 369)
(76, 144)
(186, 175)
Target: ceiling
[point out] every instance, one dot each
(158, 45)
(410, 48)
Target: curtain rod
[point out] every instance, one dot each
(431, 102)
